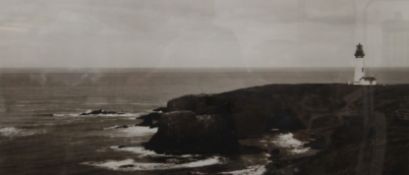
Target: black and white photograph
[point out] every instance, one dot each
(204, 87)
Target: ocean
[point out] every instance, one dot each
(42, 131)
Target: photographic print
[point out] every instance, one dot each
(204, 87)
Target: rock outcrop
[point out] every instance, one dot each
(348, 123)
(100, 112)
(150, 119)
(256, 110)
(187, 132)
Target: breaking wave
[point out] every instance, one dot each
(288, 141)
(17, 132)
(132, 165)
(142, 152)
(125, 115)
(100, 113)
(139, 150)
(135, 131)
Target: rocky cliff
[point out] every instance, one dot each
(357, 129)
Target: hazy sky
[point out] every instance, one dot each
(192, 33)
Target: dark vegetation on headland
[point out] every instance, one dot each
(357, 129)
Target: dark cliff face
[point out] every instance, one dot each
(187, 132)
(359, 127)
(255, 110)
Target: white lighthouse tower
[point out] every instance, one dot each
(360, 77)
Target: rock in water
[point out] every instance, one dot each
(99, 112)
(183, 132)
(150, 119)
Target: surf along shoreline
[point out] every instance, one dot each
(328, 123)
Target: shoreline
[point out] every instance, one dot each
(332, 116)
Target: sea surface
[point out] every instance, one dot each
(43, 133)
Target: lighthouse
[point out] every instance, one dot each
(360, 77)
(359, 64)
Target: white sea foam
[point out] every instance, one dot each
(17, 132)
(288, 141)
(132, 165)
(115, 127)
(139, 150)
(142, 152)
(251, 170)
(124, 115)
(201, 163)
(300, 150)
(137, 131)
(67, 115)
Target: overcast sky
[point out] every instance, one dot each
(193, 33)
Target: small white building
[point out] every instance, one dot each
(360, 77)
